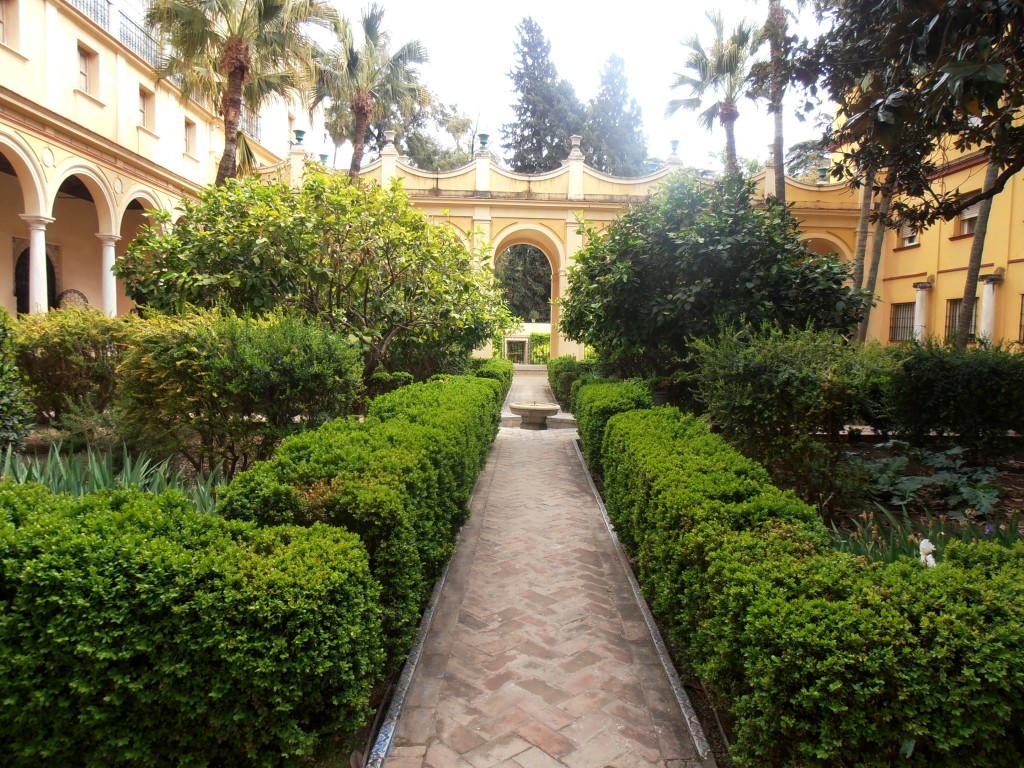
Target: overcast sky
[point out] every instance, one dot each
(472, 50)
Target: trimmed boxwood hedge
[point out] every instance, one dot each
(593, 404)
(136, 632)
(401, 480)
(562, 372)
(823, 658)
(501, 370)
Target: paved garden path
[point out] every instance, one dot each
(538, 654)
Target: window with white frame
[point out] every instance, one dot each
(968, 220)
(146, 106)
(908, 236)
(190, 137)
(3, 21)
(88, 75)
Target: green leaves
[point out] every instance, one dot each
(673, 267)
(359, 257)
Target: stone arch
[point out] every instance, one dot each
(28, 172)
(547, 242)
(463, 237)
(146, 196)
(537, 235)
(102, 194)
(823, 243)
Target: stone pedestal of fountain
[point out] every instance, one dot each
(534, 415)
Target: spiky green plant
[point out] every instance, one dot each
(75, 475)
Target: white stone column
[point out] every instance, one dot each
(482, 160)
(921, 310)
(109, 282)
(576, 169)
(388, 159)
(37, 288)
(988, 306)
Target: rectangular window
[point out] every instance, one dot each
(146, 102)
(3, 21)
(190, 137)
(87, 75)
(908, 236)
(953, 317)
(968, 220)
(901, 322)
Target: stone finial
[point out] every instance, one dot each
(576, 153)
(389, 137)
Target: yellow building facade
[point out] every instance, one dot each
(88, 142)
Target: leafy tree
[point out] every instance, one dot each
(524, 277)
(724, 69)
(368, 78)
(237, 52)
(916, 82)
(547, 113)
(690, 258)
(805, 158)
(614, 133)
(418, 132)
(358, 256)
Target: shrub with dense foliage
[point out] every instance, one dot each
(500, 370)
(15, 402)
(213, 387)
(820, 657)
(783, 398)
(69, 357)
(134, 631)
(400, 479)
(359, 256)
(595, 403)
(688, 258)
(562, 372)
(976, 394)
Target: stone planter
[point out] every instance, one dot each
(534, 415)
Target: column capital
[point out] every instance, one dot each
(107, 239)
(36, 222)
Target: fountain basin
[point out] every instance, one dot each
(534, 415)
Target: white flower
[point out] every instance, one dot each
(927, 548)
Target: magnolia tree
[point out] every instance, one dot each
(689, 259)
(358, 256)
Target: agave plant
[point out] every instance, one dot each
(64, 472)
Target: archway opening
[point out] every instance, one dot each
(21, 283)
(523, 274)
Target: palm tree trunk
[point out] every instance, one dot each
(362, 122)
(234, 61)
(232, 108)
(727, 117)
(777, 89)
(867, 195)
(876, 260)
(963, 324)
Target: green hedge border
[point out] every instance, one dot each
(822, 658)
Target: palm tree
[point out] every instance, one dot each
(724, 68)
(230, 52)
(368, 79)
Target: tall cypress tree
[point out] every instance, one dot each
(613, 138)
(547, 113)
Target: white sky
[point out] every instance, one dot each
(472, 50)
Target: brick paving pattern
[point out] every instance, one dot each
(538, 655)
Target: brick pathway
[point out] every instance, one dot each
(538, 655)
